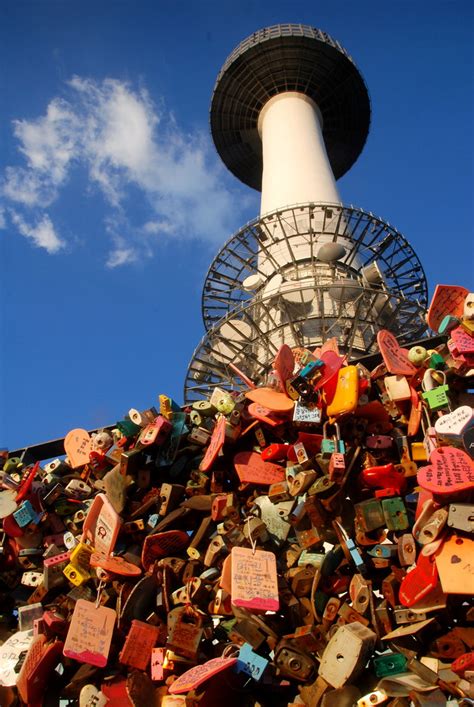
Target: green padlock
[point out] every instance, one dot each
(435, 395)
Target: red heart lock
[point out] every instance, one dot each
(451, 471)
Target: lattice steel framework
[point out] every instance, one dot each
(303, 273)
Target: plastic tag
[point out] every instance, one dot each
(272, 399)
(264, 414)
(447, 299)
(160, 545)
(194, 677)
(90, 633)
(78, 446)
(7, 503)
(394, 356)
(455, 563)
(254, 579)
(10, 654)
(252, 469)
(101, 525)
(215, 445)
(450, 471)
(116, 565)
(250, 663)
(464, 343)
(454, 423)
(284, 364)
(139, 643)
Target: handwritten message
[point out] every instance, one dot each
(252, 469)
(394, 356)
(254, 579)
(447, 299)
(450, 471)
(90, 633)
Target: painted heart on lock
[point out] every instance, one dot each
(454, 423)
(451, 471)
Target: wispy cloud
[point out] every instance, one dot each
(42, 233)
(125, 142)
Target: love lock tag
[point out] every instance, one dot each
(195, 676)
(447, 299)
(115, 565)
(254, 579)
(78, 446)
(284, 364)
(455, 563)
(252, 469)
(101, 525)
(394, 356)
(7, 503)
(138, 645)
(453, 424)
(450, 472)
(90, 633)
(215, 445)
(272, 399)
(160, 545)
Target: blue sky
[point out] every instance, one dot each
(113, 201)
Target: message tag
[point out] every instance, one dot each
(7, 503)
(10, 654)
(271, 399)
(101, 525)
(252, 469)
(447, 299)
(455, 562)
(284, 364)
(194, 677)
(78, 446)
(454, 423)
(36, 670)
(139, 643)
(215, 444)
(90, 633)
(160, 545)
(332, 363)
(463, 342)
(450, 471)
(254, 579)
(260, 412)
(394, 356)
(116, 565)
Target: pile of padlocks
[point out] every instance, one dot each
(307, 541)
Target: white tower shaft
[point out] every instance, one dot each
(296, 168)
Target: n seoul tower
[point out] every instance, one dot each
(290, 114)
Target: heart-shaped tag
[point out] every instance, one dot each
(252, 469)
(215, 445)
(284, 364)
(78, 446)
(395, 357)
(447, 299)
(454, 423)
(463, 341)
(450, 472)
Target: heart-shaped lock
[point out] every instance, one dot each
(447, 299)
(395, 357)
(284, 364)
(453, 424)
(271, 399)
(451, 471)
(78, 446)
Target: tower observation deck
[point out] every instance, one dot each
(290, 114)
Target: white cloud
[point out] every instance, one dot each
(3, 221)
(42, 234)
(125, 143)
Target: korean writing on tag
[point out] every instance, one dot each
(394, 356)
(451, 470)
(215, 445)
(90, 633)
(78, 446)
(252, 469)
(447, 299)
(138, 645)
(193, 677)
(10, 653)
(254, 579)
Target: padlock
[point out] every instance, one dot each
(335, 444)
(346, 654)
(185, 631)
(435, 390)
(294, 663)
